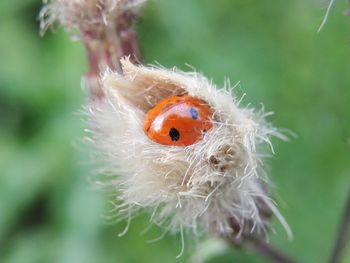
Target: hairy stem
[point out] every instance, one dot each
(244, 237)
(128, 38)
(343, 234)
(107, 48)
(261, 247)
(268, 251)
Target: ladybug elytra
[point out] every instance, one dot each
(178, 120)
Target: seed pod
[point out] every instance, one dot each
(215, 183)
(91, 16)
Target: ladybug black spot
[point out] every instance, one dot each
(174, 134)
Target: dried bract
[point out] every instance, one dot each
(86, 15)
(216, 183)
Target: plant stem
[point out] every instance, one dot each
(269, 251)
(253, 241)
(261, 247)
(343, 234)
(107, 48)
(128, 38)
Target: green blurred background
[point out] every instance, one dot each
(48, 209)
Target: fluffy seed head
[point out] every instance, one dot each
(86, 15)
(216, 183)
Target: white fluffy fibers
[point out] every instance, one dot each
(215, 183)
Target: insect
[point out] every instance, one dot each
(178, 120)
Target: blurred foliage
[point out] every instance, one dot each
(48, 211)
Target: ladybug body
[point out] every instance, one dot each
(178, 120)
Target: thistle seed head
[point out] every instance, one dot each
(90, 16)
(217, 183)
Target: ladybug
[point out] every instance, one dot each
(178, 120)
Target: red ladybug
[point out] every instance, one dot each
(178, 120)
